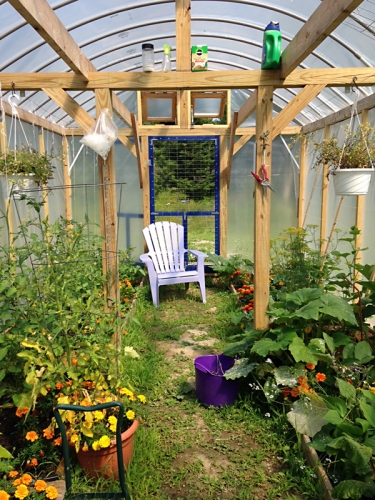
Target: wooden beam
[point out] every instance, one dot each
(302, 182)
(231, 145)
(241, 142)
(247, 108)
(322, 22)
(183, 35)
(176, 80)
(42, 150)
(138, 149)
(360, 208)
(71, 107)
(67, 181)
(344, 114)
(146, 183)
(28, 117)
(324, 205)
(295, 106)
(121, 110)
(223, 196)
(262, 210)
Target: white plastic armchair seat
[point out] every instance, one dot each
(165, 259)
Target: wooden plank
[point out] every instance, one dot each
(176, 80)
(302, 182)
(42, 150)
(262, 211)
(322, 22)
(146, 183)
(67, 181)
(295, 106)
(109, 215)
(360, 209)
(71, 107)
(183, 35)
(241, 142)
(231, 145)
(229, 106)
(324, 206)
(8, 203)
(247, 108)
(138, 149)
(312, 459)
(184, 110)
(32, 118)
(344, 114)
(223, 196)
(44, 20)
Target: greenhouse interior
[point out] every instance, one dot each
(226, 143)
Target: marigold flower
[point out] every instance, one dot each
(48, 433)
(57, 441)
(320, 377)
(17, 482)
(302, 380)
(310, 366)
(294, 392)
(51, 492)
(4, 495)
(85, 447)
(104, 442)
(26, 479)
(21, 411)
(32, 436)
(13, 473)
(69, 382)
(59, 385)
(21, 492)
(40, 485)
(130, 415)
(142, 398)
(33, 462)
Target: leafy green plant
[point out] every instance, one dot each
(27, 161)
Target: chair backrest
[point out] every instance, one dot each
(165, 242)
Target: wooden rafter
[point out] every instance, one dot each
(247, 108)
(345, 113)
(295, 106)
(241, 142)
(137, 148)
(231, 145)
(175, 80)
(321, 23)
(71, 107)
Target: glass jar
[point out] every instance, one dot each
(148, 57)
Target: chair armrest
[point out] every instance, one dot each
(197, 253)
(146, 259)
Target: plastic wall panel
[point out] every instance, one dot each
(56, 197)
(313, 209)
(368, 233)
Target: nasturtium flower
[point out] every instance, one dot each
(21, 492)
(142, 398)
(32, 436)
(310, 366)
(320, 377)
(130, 415)
(96, 446)
(4, 495)
(40, 485)
(104, 442)
(51, 492)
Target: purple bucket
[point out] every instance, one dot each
(213, 389)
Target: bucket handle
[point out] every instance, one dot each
(218, 366)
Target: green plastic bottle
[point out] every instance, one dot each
(271, 46)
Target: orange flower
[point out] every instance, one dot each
(59, 385)
(40, 485)
(51, 492)
(26, 479)
(74, 361)
(13, 473)
(17, 482)
(4, 495)
(286, 392)
(69, 382)
(57, 441)
(33, 462)
(32, 436)
(294, 392)
(48, 433)
(310, 366)
(21, 411)
(302, 380)
(320, 377)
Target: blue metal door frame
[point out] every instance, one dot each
(184, 215)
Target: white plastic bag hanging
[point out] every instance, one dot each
(102, 135)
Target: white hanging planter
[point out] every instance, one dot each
(15, 184)
(352, 181)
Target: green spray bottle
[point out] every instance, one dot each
(166, 64)
(271, 46)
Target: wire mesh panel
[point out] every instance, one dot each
(184, 184)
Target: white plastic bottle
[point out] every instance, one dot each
(166, 64)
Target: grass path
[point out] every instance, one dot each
(188, 452)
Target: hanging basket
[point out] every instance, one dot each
(352, 181)
(15, 184)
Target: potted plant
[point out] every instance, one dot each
(25, 166)
(352, 164)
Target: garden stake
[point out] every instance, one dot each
(331, 234)
(311, 194)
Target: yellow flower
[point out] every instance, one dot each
(98, 415)
(74, 438)
(88, 425)
(52, 493)
(21, 492)
(142, 398)
(104, 442)
(96, 446)
(130, 415)
(125, 391)
(372, 389)
(112, 420)
(40, 485)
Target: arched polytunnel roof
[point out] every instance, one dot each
(110, 34)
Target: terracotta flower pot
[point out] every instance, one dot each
(103, 463)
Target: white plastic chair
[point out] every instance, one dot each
(165, 258)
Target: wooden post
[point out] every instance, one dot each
(8, 202)
(108, 215)
(302, 182)
(42, 150)
(360, 207)
(223, 196)
(183, 58)
(323, 222)
(262, 209)
(146, 182)
(67, 180)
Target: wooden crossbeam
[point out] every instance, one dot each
(175, 80)
(241, 142)
(318, 27)
(295, 106)
(345, 113)
(231, 145)
(247, 108)
(71, 107)
(137, 148)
